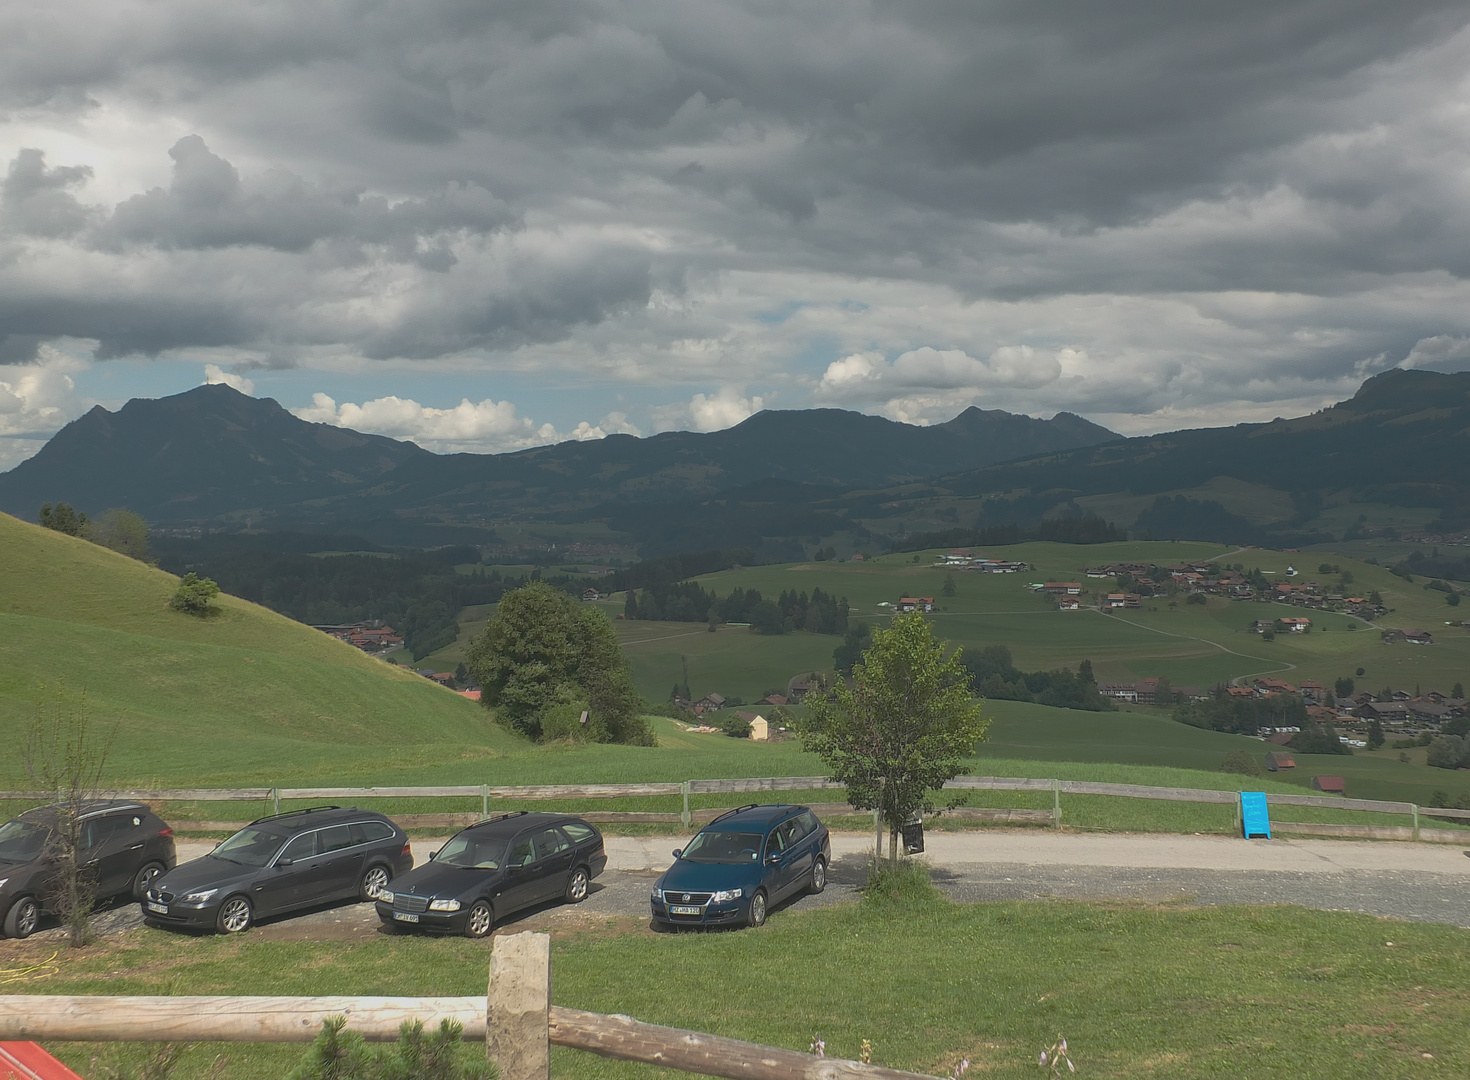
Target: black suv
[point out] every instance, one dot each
(493, 868)
(124, 847)
(279, 864)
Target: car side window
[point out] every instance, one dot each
(100, 830)
(808, 822)
(366, 831)
(549, 842)
(521, 854)
(577, 831)
(335, 838)
(301, 847)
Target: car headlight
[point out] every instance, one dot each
(443, 905)
(726, 894)
(385, 896)
(200, 896)
(658, 894)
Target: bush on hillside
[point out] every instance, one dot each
(63, 518)
(1242, 762)
(338, 1054)
(195, 595)
(737, 727)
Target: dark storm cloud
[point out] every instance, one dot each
(420, 179)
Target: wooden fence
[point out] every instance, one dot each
(687, 817)
(515, 1020)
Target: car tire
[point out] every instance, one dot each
(235, 916)
(373, 879)
(23, 918)
(819, 876)
(757, 915)
(577, 885)
(479, 920)
(144, 877)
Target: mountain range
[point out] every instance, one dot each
(216, 458)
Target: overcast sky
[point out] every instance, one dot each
(487, 224)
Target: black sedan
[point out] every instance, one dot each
(494, 868)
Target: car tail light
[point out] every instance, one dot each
(165, 831)
(407, 848)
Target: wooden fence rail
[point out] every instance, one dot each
(515, 1020)
(750, 785)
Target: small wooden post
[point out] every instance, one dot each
(1056, 804)
(1414, 807)
(518, 1007)
(484, 801)
(276, 799)
(686, 818)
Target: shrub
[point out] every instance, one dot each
(1242, 762)
(195, 595)
(902, 886)
(338, 1054)
(737, 727)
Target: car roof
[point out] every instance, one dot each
(511, 824)
(89, 808)
(314, 817)
(756, 815)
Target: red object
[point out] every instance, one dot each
(27, 1061)
(165, 831)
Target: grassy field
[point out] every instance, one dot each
(236, 698)
(1137, 990)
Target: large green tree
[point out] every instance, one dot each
(545, 652)
(904, 725)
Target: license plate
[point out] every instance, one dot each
(162, 909)
(404, 916)
(681, 910)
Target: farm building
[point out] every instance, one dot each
(1279, 759)
(1332, 785)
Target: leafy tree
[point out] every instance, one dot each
(904, 726)
(543, 649)
(1452, 599)
(949, 586)
(1376, 737)
(1375, 599)
(855, 642)
(1344, 686)
(1242, 762)
(1315, 738)
(195, 595)
(62, 518)
(737, 727)
(121, 530)
(1446, 752)
(1439, 797)
(1197, 598)
(1084, 672)
(1458, 691)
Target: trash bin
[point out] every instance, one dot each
(913, 836)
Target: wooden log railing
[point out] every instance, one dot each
(687, 816)
(515, 1020)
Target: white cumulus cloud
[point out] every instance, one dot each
(485, 427)
(214, 374)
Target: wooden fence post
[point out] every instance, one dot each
(518, 1007)
(484, 801)
(276, 799)
(1415, 808)
(1056, 805)
(686, 818)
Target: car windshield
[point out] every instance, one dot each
(724, 846)
(21, 841)
(472, 852)
(250, 847)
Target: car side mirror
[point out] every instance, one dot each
(678, 853)
(772, 859)
(433, 855)
(284, 862)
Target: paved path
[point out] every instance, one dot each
(1419, 882)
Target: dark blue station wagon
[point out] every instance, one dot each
(741, 864)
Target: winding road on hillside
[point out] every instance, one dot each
(1416, 882)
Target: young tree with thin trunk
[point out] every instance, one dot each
(65, 757)
(903, 727)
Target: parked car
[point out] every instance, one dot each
(741, 864)
(279, 864)
(124, 846)
(493, 868)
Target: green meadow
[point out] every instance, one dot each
(1137, 990)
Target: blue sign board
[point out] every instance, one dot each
(1255, 820)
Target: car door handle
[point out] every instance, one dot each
(135, 847)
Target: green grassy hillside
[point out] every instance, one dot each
(242, 697)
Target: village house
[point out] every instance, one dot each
(1062, 588)
(915, 603)
(591, 594)
(1279, 759)
(1297, 624)
(1068, 603)
(709, 703)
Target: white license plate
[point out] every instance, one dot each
(404, 916)
(162, 909)
(679, 909)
